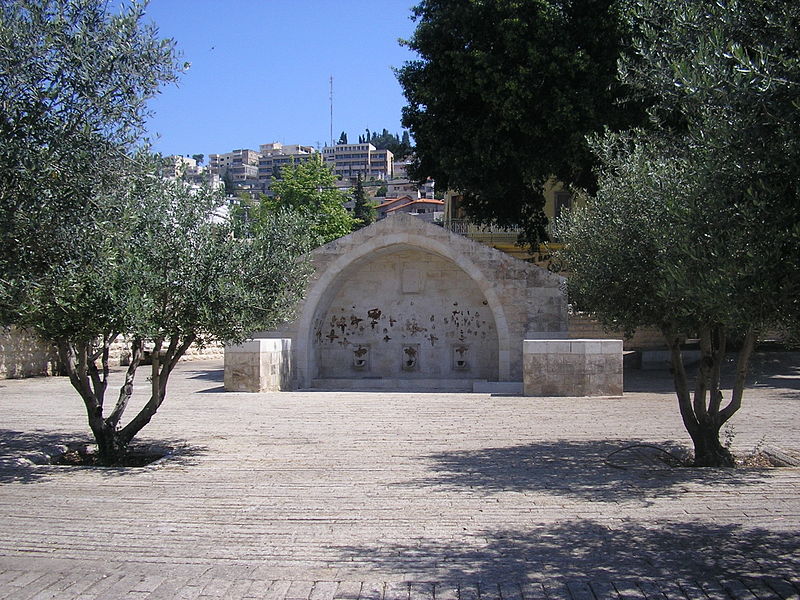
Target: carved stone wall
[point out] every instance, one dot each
(409, 314)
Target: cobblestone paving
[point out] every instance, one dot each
(382, 496)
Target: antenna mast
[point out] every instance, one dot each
(331, 110)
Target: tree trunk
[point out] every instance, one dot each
(91, 384)
(110, 447)
(702, 415)
(708, 451)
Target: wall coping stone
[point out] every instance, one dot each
(567, 346)
(258, 345)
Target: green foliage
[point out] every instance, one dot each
(76, 79)
(363, 209)
(309, 188)
(708, 197)
(503, 95)
(75, 82)
(93, 243)
(189, 275)
(648, 249)
(696, 225)
(399, 147)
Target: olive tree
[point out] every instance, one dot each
(73, 95)
(181, 278)
(695, 227)
(93, 244)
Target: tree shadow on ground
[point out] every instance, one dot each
(577, 469)
(25, 457)
(590, 550)
(776, 370)
(217, 389)
(649, 381)
(215, 374)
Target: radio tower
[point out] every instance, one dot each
(331, 110)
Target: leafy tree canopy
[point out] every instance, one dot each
(696, 225)
(309, 187)
(73, 96)
(397, 145)
(504, 94)
(94, 244)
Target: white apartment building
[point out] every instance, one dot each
(276, 155)
(180, 166)
(241, 165)
(348, 161)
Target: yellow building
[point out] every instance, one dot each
(557, 201)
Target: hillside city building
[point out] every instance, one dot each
(348, 161)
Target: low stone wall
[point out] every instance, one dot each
(261, 365)
(120, 352)
(582, 327)
(572, 367)
(26, 355)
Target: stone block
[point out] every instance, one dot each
(572, 367)
(258, 365)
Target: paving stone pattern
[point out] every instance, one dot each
(386, 496)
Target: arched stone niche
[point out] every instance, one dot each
(407, 301)
(404, 312)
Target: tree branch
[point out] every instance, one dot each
(126, 390)
(716, 394)
(680, 380)
(703, 373)
(174, 352)
(742, 366)
(77, 378)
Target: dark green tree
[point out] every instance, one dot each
(695, 228)
(342, 138)
(364, 209)
(199, 158)
(228, 183)
(503, 96)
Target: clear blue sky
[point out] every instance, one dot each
(260, 71)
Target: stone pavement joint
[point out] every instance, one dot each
(400, 496)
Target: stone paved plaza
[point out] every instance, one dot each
(384, 496)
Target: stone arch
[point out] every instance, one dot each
(323, 289)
